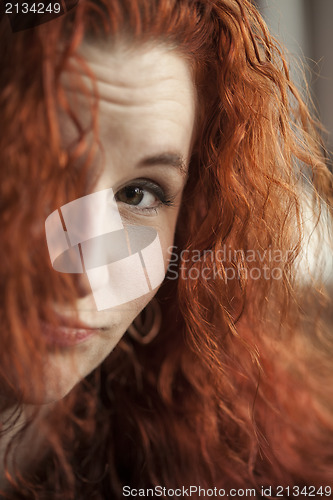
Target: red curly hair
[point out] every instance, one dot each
(236, 391)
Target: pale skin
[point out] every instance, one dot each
(146, 119)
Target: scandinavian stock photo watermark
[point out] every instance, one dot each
(214, 492)
(226, 264)
(121, 262)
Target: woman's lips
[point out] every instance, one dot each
(66, 336)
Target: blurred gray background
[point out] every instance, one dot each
(305, 27)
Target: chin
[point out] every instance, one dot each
(64, 370)
(67, 366)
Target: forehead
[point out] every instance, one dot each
(135, 65)
(145, 91)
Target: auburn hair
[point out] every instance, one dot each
(237, 388)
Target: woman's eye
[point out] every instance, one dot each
(135, 195)
(145, 196)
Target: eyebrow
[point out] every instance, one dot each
(169, 159)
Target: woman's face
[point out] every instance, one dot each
(146, 122)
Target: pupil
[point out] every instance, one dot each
(134, 195)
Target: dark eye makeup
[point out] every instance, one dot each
(139, 195)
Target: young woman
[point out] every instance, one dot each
(168, 135)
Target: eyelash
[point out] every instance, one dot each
(153, 188)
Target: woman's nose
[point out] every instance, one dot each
(82, 285)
